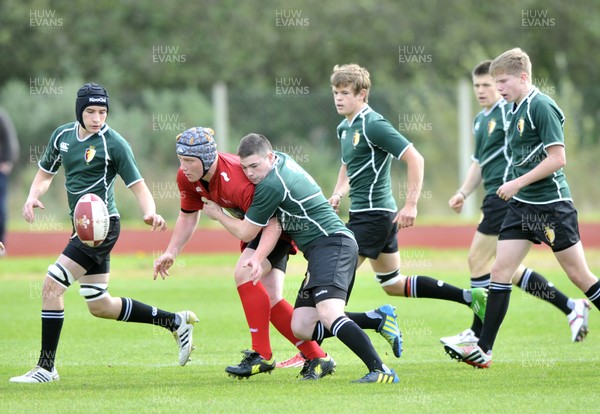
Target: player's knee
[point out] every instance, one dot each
(303, 324)
(391, 282)
(60, 275)
(393, 290)
(301, 330)
(99, 309)
(241, 275)
(275, 292)
(93, 291)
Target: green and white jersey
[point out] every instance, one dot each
(368, 143)
(491, 147)
(532, 126)
(92, 164)
(291, 194)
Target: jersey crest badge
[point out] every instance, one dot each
(491, 126)
(355, 138)
(521, 126)
(550, 236)
(90, 153)
(225, 176)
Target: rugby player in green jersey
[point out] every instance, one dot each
(208, 174)
(540, 207)
(285, 192)
(491, 162)
(368, 143)
(93, 155)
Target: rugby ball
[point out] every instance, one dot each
(90, 219)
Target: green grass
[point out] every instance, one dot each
(108, 366)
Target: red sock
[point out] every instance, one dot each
(281, 318)
(256, 304)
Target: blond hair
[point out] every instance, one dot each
(352, 74)
(512, 62)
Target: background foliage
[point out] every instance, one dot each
(159, 61)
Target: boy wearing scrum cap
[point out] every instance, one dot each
(93, 154)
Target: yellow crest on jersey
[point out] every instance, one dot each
(521, 126)
(355, 138)
(491, 126)
(90, 152)
(549, 233)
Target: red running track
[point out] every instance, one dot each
(219, 241)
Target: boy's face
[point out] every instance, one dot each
(485, 90)
(346, 102)
(513, 88)
(94, 117)
(257, 166)
(192, 167)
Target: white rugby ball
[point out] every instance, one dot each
(91, 220)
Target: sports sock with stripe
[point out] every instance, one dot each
(52, 322)
(428, 287)
(593, 294)
(497, 306)
(537, 285)
(354, 338)
(364, 320)
(479, 282)
(134, 311)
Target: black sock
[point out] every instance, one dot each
(52, 322)
(497, 306)
(360, 318)
(134, 311)
(479, 282)
(363, 320)
(537, 285)
(320, 333)
(354, 338)
(593, 294)
(428, 287)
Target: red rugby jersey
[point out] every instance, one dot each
(229, 188)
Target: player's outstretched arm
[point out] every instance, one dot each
(147, 206)
(184, 229)
(39, 186)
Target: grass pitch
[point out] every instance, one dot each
(126, 367)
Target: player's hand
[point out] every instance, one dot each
(256, 269)
(211, 209)
(6, 167)
(406, 217)
(334, 200)
(163, 264)
(30, 204)
(156, 221)
(456, 202)
(1, 248)
(507, 190)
